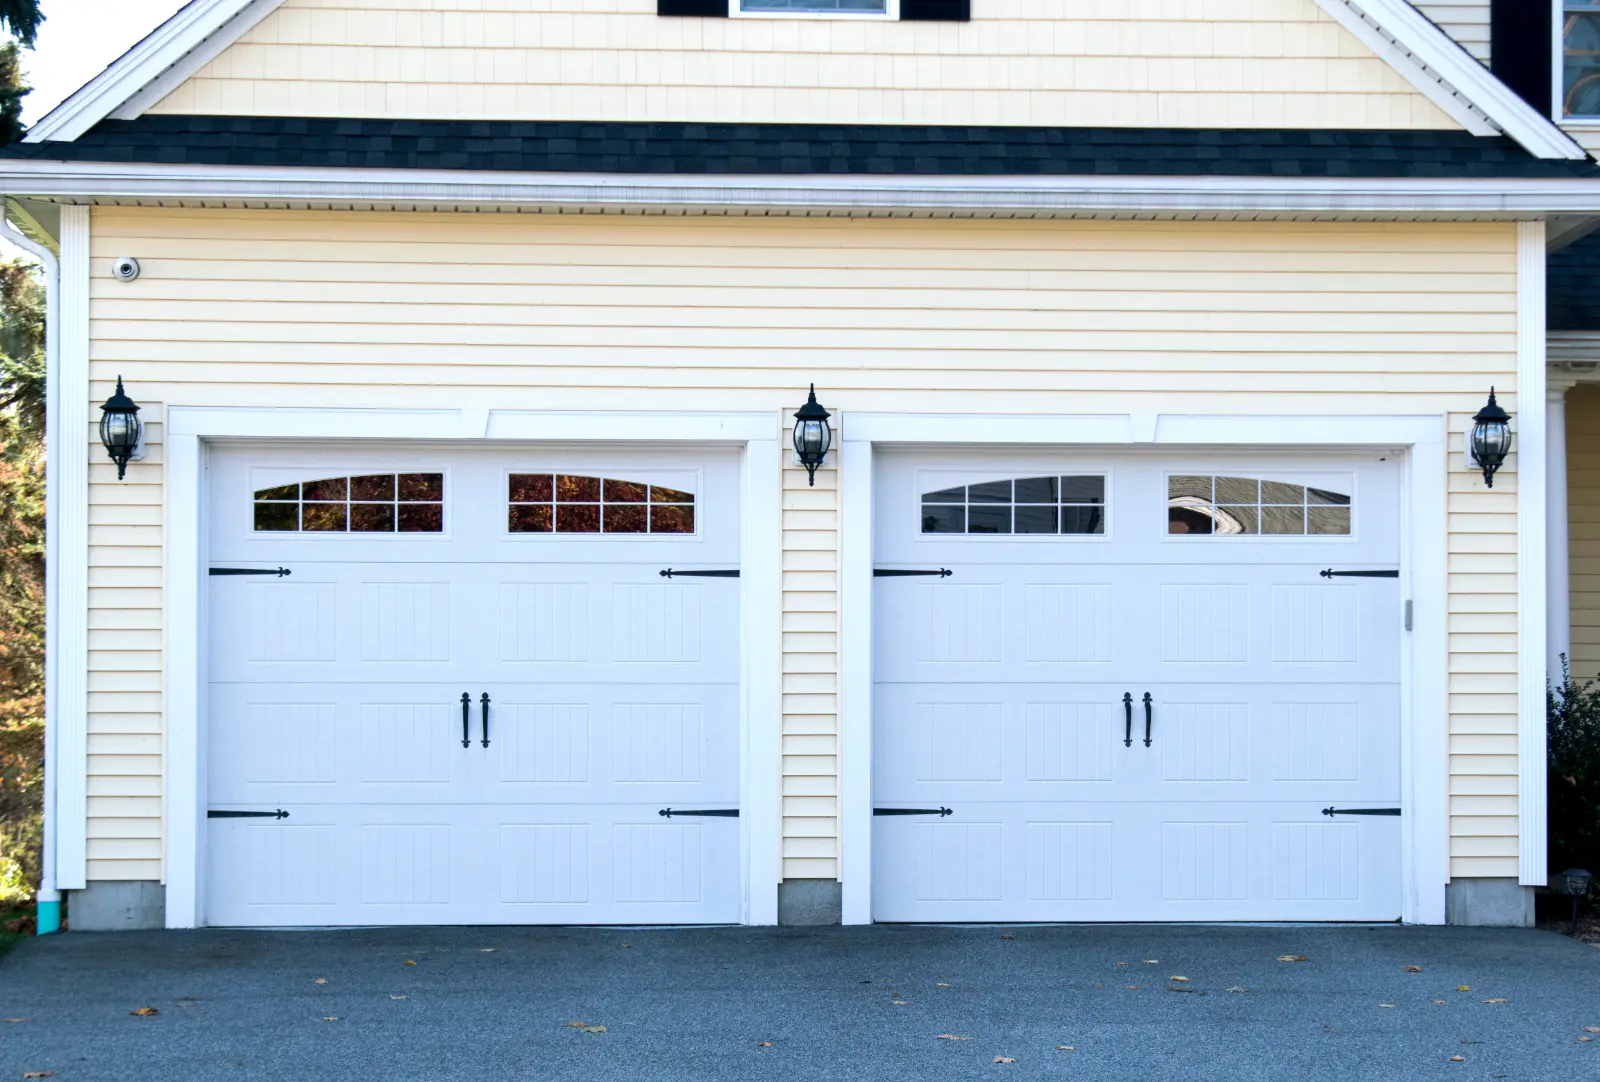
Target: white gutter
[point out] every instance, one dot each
(48, 917)
(278, 186)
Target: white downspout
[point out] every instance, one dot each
(49, 911)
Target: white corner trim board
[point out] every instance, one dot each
(70, 602)
(1448, 75)
(1532, 599)
(199, 29)
(1425, 826)
(189, 429)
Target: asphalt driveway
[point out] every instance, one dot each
(888, 1002)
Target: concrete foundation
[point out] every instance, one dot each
(1494, 903)
(117, 906)
(810, 902)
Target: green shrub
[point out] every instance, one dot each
(1573, 712)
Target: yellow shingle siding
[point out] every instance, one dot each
(1158, 63)
(408, 310)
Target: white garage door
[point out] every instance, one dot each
(475, 693)
(1135, 694)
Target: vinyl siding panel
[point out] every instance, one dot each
(1583, 527)
(1159, 63)
(1467, 21)
(408, 310)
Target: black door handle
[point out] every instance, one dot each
(466, 705)
(1127, 710)
(484, 702)
(1147, 713)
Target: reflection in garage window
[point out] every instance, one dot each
(369, 503)
(1201, 504)
(569, 503)
(1025, 505)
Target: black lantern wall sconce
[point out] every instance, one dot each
(120, 429)
(812, 435)
(1490, 441)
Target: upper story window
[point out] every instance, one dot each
(825, 7)
(1580, 58)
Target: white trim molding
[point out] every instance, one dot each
(1216, 198)
(1442, 70)
(71, 528)
(199, 29)
(190, 429)
(1532, 598)
(1423, 709)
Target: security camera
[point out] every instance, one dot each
(125, 268)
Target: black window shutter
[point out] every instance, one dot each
(705, 9)
(936, 11)
(1521, 40)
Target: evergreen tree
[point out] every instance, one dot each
(21, 19)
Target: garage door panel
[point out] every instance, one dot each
(1267, 693)
(598, 694)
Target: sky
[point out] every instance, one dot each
(78, 40)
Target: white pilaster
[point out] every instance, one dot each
(1532, 594)
(72, 554)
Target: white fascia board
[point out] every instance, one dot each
(1085, 196)
(204, 25)
(1448, 75)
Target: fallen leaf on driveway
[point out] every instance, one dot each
(1463, 988)
(409, 962)
(487, 950)
(1122, 963)
(1177, 978)
(1005, 1059)
(627, 946)
(1293, 958)
(1135, 986)
(1239, 989)
(1585, 1039)
(1152, 961)
(898, 1002)
(1497, 1001)
(1065, 1048)
(1387, 1005)
(941, 984)
(399, 997)
(320, 980)
(1591, 1029)
(763, 1044)
(951, 1037)
(17, 1020)
(144, 1012)
(331, 1018)
(1440, 1002)
(38, 1074)
(1413, 969)
(576, 1025)
(1458, 1059)
(594, 1029)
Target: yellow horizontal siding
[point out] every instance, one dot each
(301, 308)
(1467, 21)
(1162, 63)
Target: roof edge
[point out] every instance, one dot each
(1448, 75)
(192, 35)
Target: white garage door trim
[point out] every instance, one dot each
(1423, 766)
(189, 429)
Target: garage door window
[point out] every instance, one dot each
(1023, 505)
(368, 503)
(1206, 505)
(571, 503)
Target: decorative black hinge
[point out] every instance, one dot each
(1360, 811)
(940, 812)
(719, 813)
(1330, 573)
(279, 572)
(216, 813)
(896, 573)
(730, 573)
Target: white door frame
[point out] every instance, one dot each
(189, 429)
(1423, 663)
